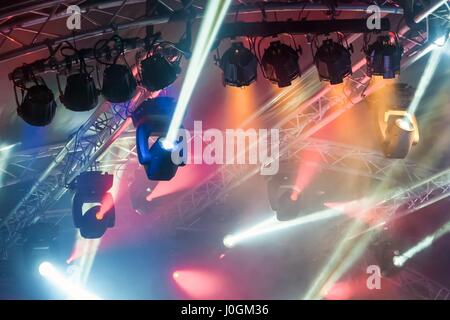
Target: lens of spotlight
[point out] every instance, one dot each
(158, 73)
(119, 85)
(38, 107)
(383, 57)
(239, 66)
(280, 64)
(333, 62)
(80, 93)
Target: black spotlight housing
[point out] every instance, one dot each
(333, 61)
(283, 196)
(91, 191)
(239, 66)
(158, 72)
(280, 64)
(288, 205)
(152, 118)
(119, 84)
(384, 57)
(38, 107)
(80, 93)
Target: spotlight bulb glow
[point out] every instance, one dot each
(399, 261)
(45, 268)
(228, 241)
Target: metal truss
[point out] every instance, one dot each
(78, 155)
(358, 161)
(410, 282)
(406, 200)
(419, 286)
(17, 24)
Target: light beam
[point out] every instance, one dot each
(214, 16)
(272, 225)
(49, 272)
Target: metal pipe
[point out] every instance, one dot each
(429, 10)
(143, 22)
(253, 29)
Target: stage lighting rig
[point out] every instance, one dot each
(81, 93)
(152, 118)
(37, 106)
(119, 84)
(333, 59)
(93, 206)
(383, 56)
(280, 63)
(239, 66)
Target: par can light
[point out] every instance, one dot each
(158, 73)
(239, 66)
(80, 93)
(280, 64)
(333, 62)
(38, 107)
(384, 57)
(119, 84)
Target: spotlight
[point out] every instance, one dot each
(80, 93)
(38, 107)
(239, 66)
(399, 133)
(280, 64)
(158, 72)
(152, 118)
(383, 57)
(333, 61)
(93, 207)
(284, 197)
(119, 84)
